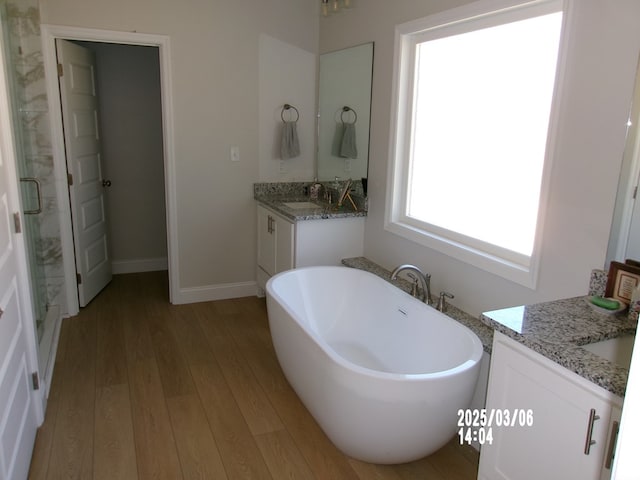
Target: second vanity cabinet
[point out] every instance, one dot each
(284, 244)
(571, 432)
(275, 242)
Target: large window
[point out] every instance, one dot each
(474, 107)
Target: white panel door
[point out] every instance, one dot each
(18, 417)
(86, 191)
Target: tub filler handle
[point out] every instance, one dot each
(418, 277)
(414, 286)
(442, 301)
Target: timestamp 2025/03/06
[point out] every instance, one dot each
(476, 425)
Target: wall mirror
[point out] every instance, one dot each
(344, 110)
(624, 240)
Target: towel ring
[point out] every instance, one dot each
(346, 109)
(289, 107)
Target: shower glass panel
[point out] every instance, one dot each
(23, 55)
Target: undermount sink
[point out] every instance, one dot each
(617, 350)
(301, 205)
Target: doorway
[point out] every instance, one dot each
(112, 115)
(49, 35)
(130, 106)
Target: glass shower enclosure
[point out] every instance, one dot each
(25, 67)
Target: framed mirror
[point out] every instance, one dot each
(624, 240)
(344, 111)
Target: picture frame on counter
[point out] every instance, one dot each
(622, 280)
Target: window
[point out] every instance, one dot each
(470, 141)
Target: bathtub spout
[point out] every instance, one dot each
(424, 278)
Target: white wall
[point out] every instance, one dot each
(215, 75)
(128, 80)
(600, 70)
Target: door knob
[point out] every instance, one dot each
(106, 183)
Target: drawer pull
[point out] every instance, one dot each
(589, 442)
(613, 439)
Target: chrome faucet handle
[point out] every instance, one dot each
(442, 301)
(427, 293)
(414, 286)
(423, 279)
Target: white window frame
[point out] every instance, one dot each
(520, 269)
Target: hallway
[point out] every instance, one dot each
(144, 389)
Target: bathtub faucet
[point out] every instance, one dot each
(424, 278)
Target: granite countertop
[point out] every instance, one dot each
(323, 210)
(275, 195)
(554, 329)
(558, 329)
(484, 333)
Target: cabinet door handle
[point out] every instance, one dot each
(613, 439)
(270, 224)
(589, 442)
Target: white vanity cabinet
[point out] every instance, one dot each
(275, 242)
(565, 408)
(613, 427)
(284, 244)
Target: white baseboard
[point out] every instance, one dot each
(211, 293)
(139, 265)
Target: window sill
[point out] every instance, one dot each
(525, 275)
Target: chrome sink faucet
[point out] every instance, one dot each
(423, 278)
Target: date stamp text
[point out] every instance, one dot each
(476, 425)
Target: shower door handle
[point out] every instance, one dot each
(37, 184)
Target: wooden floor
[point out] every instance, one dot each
(143, 389)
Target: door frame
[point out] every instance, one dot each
(49, 35)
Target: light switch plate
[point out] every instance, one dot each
(235, 153)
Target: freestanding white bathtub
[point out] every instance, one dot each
(382, 373)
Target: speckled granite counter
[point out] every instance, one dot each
(554, 329)
(276, 195)
(557, 330)
(322, 211)
(484, 333)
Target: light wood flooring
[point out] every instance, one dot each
(146, 390)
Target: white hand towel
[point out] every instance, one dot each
(348, 148)
(289, 143)
(336, 145)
